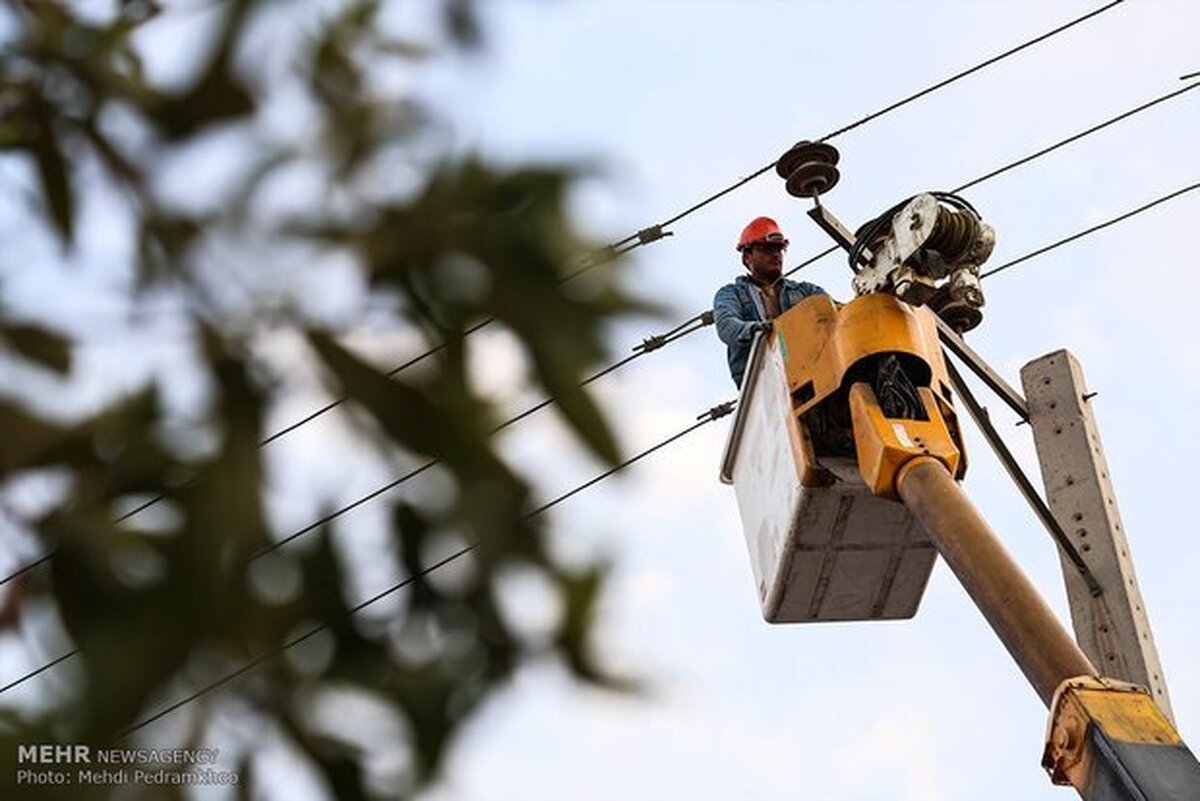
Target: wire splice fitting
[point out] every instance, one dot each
(718, 411)
(652, 234)
(652, 342)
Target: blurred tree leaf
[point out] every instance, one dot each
(188, 592)
(53, 172)
(408, 414)
(582, 593)
(47, 348)
(219, 95)
(26, 438)
(461, 20)
(505, 234)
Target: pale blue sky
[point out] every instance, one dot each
(674, 100)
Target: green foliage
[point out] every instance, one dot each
(173, 604)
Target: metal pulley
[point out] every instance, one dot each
(809, 168)
(954, 233)
(927, 251)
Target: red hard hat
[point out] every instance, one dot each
(761, 229)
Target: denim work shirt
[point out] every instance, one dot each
(739, 305)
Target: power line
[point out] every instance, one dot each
(812, 259)
(881, 112)
(339, 401)
(651, 343)
(655, 232)
(1091, 230)
(391, 485)
(712, 414)
(40, 670)
(715, 413)
(1075, 137)
(703, 318)
(974, 69)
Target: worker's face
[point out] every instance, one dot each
(765, 261)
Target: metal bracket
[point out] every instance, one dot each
(837, 231)
(981, 368)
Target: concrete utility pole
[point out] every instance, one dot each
(1112, 628)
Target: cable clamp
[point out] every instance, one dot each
(652, 342)
(652, 234)
(718, 411)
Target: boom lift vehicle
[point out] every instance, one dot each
(846, 455)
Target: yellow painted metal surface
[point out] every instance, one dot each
(821, 342)
(885, 444)
(1124, 712)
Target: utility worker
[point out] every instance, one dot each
(748, 305)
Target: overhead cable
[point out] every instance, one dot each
(659, 340)
(876, 114)
(651, 343)
(715, 413)
(655, 232)
(604, 256)
(976, 68)
(1075, 137)
(1091, 230)
(411, 474)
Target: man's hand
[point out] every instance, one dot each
(761, 327)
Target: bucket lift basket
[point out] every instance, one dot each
(823, 546)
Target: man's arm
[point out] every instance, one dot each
(731, 327)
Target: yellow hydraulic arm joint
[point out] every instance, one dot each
(1110, 740)
(828, 351)
(884, 445)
